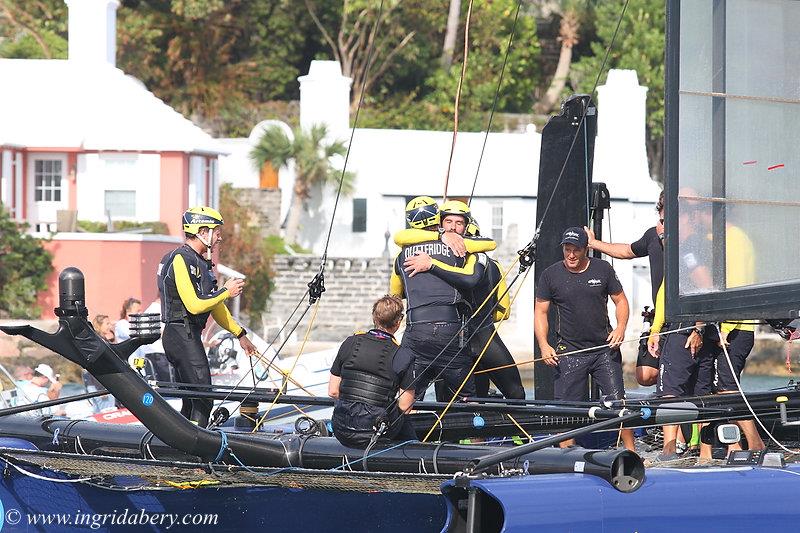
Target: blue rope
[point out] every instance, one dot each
(374, 454)
(223, 445)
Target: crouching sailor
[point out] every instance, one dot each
(372, 382)
(189, 293)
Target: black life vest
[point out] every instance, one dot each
(203, 281)
(367, 374)
(426, 289)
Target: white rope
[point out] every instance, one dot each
(747, 403)
(44, 478)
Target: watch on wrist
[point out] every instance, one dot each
(700, 330)
(241, 333)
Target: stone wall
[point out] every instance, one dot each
(265, 202)
(352, 286)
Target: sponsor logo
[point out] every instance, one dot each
(571, 234)
(594, 282)
(433, 248)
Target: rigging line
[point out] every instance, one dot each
(592, 348)
(352, 133)
(270, 363)
(582, 121)
(496, 97)
(294, 365)
(458, 98)
(475, 364)
(463, 327)
(522, 429)
(746, 402)
(454, 337)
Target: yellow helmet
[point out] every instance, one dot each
(422, 212)
(456, 207)
(198, 217)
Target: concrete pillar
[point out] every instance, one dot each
(325, 98)
(93, 31)
(620, 152)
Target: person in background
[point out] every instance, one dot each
(122, 329)
(650, 244)
(43, 386)
(104, 328)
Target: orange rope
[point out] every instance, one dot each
(458, 98)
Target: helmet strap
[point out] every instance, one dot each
(208, 244)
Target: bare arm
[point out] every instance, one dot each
(541, 328)
(615, 250)
(405, 400)
(333, 386)
(622, 314)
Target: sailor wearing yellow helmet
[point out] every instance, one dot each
(436, 308)
(189, 294)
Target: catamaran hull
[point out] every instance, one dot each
(83, 507)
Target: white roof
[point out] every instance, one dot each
(402, 162)
(64, 104)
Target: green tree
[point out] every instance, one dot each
(639, 46)
(311, 155)
(217, 61)
(429, 103)
(33, 30)
(24, 268)
(246, 250)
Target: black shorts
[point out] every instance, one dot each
(571, 376)
(739, 347)
(644, 358)
(680, 374)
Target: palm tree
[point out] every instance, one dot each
(573, 13)
(311, 155)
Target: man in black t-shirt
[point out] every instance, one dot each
(579, 289)
(373, 381)
(651, 244)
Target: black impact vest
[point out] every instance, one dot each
(203, 281)
(426, 289)
(367, 374)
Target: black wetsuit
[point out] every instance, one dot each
(372, 370)
(507, 380)
(184, 270)
(581, 300)
(650, 245)
(436, 311)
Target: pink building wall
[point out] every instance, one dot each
(115, 266)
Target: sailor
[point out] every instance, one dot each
(189, 294)
(686, 358)
(491, 303)
(372, 381)
(738, 337)
(651, 244)
(579, 288)
(437, 311)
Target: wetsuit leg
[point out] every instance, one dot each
(507, 380)
(185, 352)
